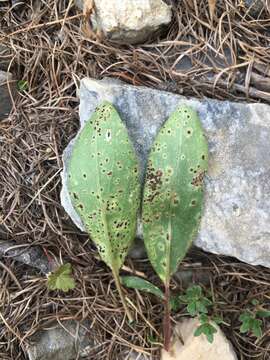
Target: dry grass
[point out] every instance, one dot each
(49, 51)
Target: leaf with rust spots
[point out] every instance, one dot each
(103, 184)
(173, 192)
(104, 187)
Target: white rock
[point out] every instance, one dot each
(130, 21)
(198, 348)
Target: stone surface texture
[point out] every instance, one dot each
(129, 21)
(5, 99)
(236, 220)
(69, 342)
(255, 7)
(32, 256)
(5, 57)
(198, 348)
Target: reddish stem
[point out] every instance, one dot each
(167, 320)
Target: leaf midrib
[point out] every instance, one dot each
(168, 257)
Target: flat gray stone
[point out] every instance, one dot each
(60, 343)
(236, 220)
(5, 99)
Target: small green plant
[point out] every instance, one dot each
(22, 85)
(104, 188)
(195, 300)
(207, 326)
(61, 279)
(252, 319)
(199, 305)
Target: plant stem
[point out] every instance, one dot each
(120, 291)
(167, 320)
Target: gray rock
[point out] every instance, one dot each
(32, 256)
(255, 7)
(237, 203)
(79, 4)
(129, 21)
(186, 277)
(61, 343)
(138, 250)
(5, 99)
(5, 57)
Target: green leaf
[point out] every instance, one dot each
(192, 308)
(194, 292)
(254, 302)
(61, 279)
(245, 327)
(203, 318)
(135, 282)
(256, 327)
(206, 302)
(184, 299)
(173, 194)
(263, 313)
(104, 186)
(199, 331)
(22, 85)
(208, 330)
(201, 308)
(175, 303)
(245, 316)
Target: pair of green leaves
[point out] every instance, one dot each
(103, 184)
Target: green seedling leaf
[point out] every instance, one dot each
(204, 318)
(135, 282)
(173, 193)
(208, 330)
(250, 324)
(196, 302)
(194, 292)
(263, 313)
(22, 85)
(254, 302)
(61, 279)
(104, 188)
(256, 327)
(175, 303)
